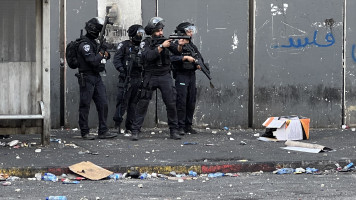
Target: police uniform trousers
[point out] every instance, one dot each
(93, 88)
(186, 98)
(165, 85)
(127, 101)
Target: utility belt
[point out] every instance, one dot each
(188, 65)
(89, 72)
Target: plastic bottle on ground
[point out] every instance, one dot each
(215, 175)
(49, 177)
(285, 171)
(56, 198)
(68, 181)
(347, 167)
(116, 176)
(309, 170)
(192, 173)
(143, 176)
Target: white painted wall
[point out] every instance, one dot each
(124, 14)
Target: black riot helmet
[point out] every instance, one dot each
(94, 26)
(136, 33)
(154, 25)
(182, 28)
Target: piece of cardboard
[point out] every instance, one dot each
(273, 122)
(288, 128)
(305, 147)
(266, 139)
(302, 149)
(305, 122)
(90, 171)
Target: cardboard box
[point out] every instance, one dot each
(289, 128)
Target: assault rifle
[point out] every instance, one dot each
(102, 42)
(199, 61)
(101, 34)
(160, 40)
(127, 83)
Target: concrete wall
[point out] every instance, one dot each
(78, 12)
(222, 38)
(296, 65)
(350, 64)
(55, 66)
(126, 13)
(298, 60)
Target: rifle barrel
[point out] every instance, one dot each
(179, 37)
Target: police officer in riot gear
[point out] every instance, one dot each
(155, 55)
(127, 61)
(90, 82)
(185, 81)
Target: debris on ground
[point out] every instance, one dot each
(216, 175)
(348, 167)
(89, 170)
(190, 143)
(305, 147)
(13, 143)
(259, 173)
(267, 139)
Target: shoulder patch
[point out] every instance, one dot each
(86, 47)
(119, 46)
(142, 44)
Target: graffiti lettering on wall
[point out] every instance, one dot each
(301, 43)
(353, 52)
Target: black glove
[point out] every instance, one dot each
(105, 54)
(105, 46)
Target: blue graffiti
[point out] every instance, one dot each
(299, 43)
(353, 52)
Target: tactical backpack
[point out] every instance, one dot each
(72, 53)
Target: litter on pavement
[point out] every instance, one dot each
(89, 170)
(305, 147)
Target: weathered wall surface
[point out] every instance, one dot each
(78, 12)
(124, 13)
(222, 38)
(350, 64)
(297, 66)
(55, 66)
(298, 60)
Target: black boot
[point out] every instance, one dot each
(190, 130)
(174, 135)
(181, 131)
(107, 135)
(87, 136)
(134, 135)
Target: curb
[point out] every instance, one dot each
(27, 172)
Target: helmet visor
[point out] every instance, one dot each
(156, 20)
(100, 20)
(191, 29)
(141, 32)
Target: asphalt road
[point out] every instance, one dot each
(333, 185)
